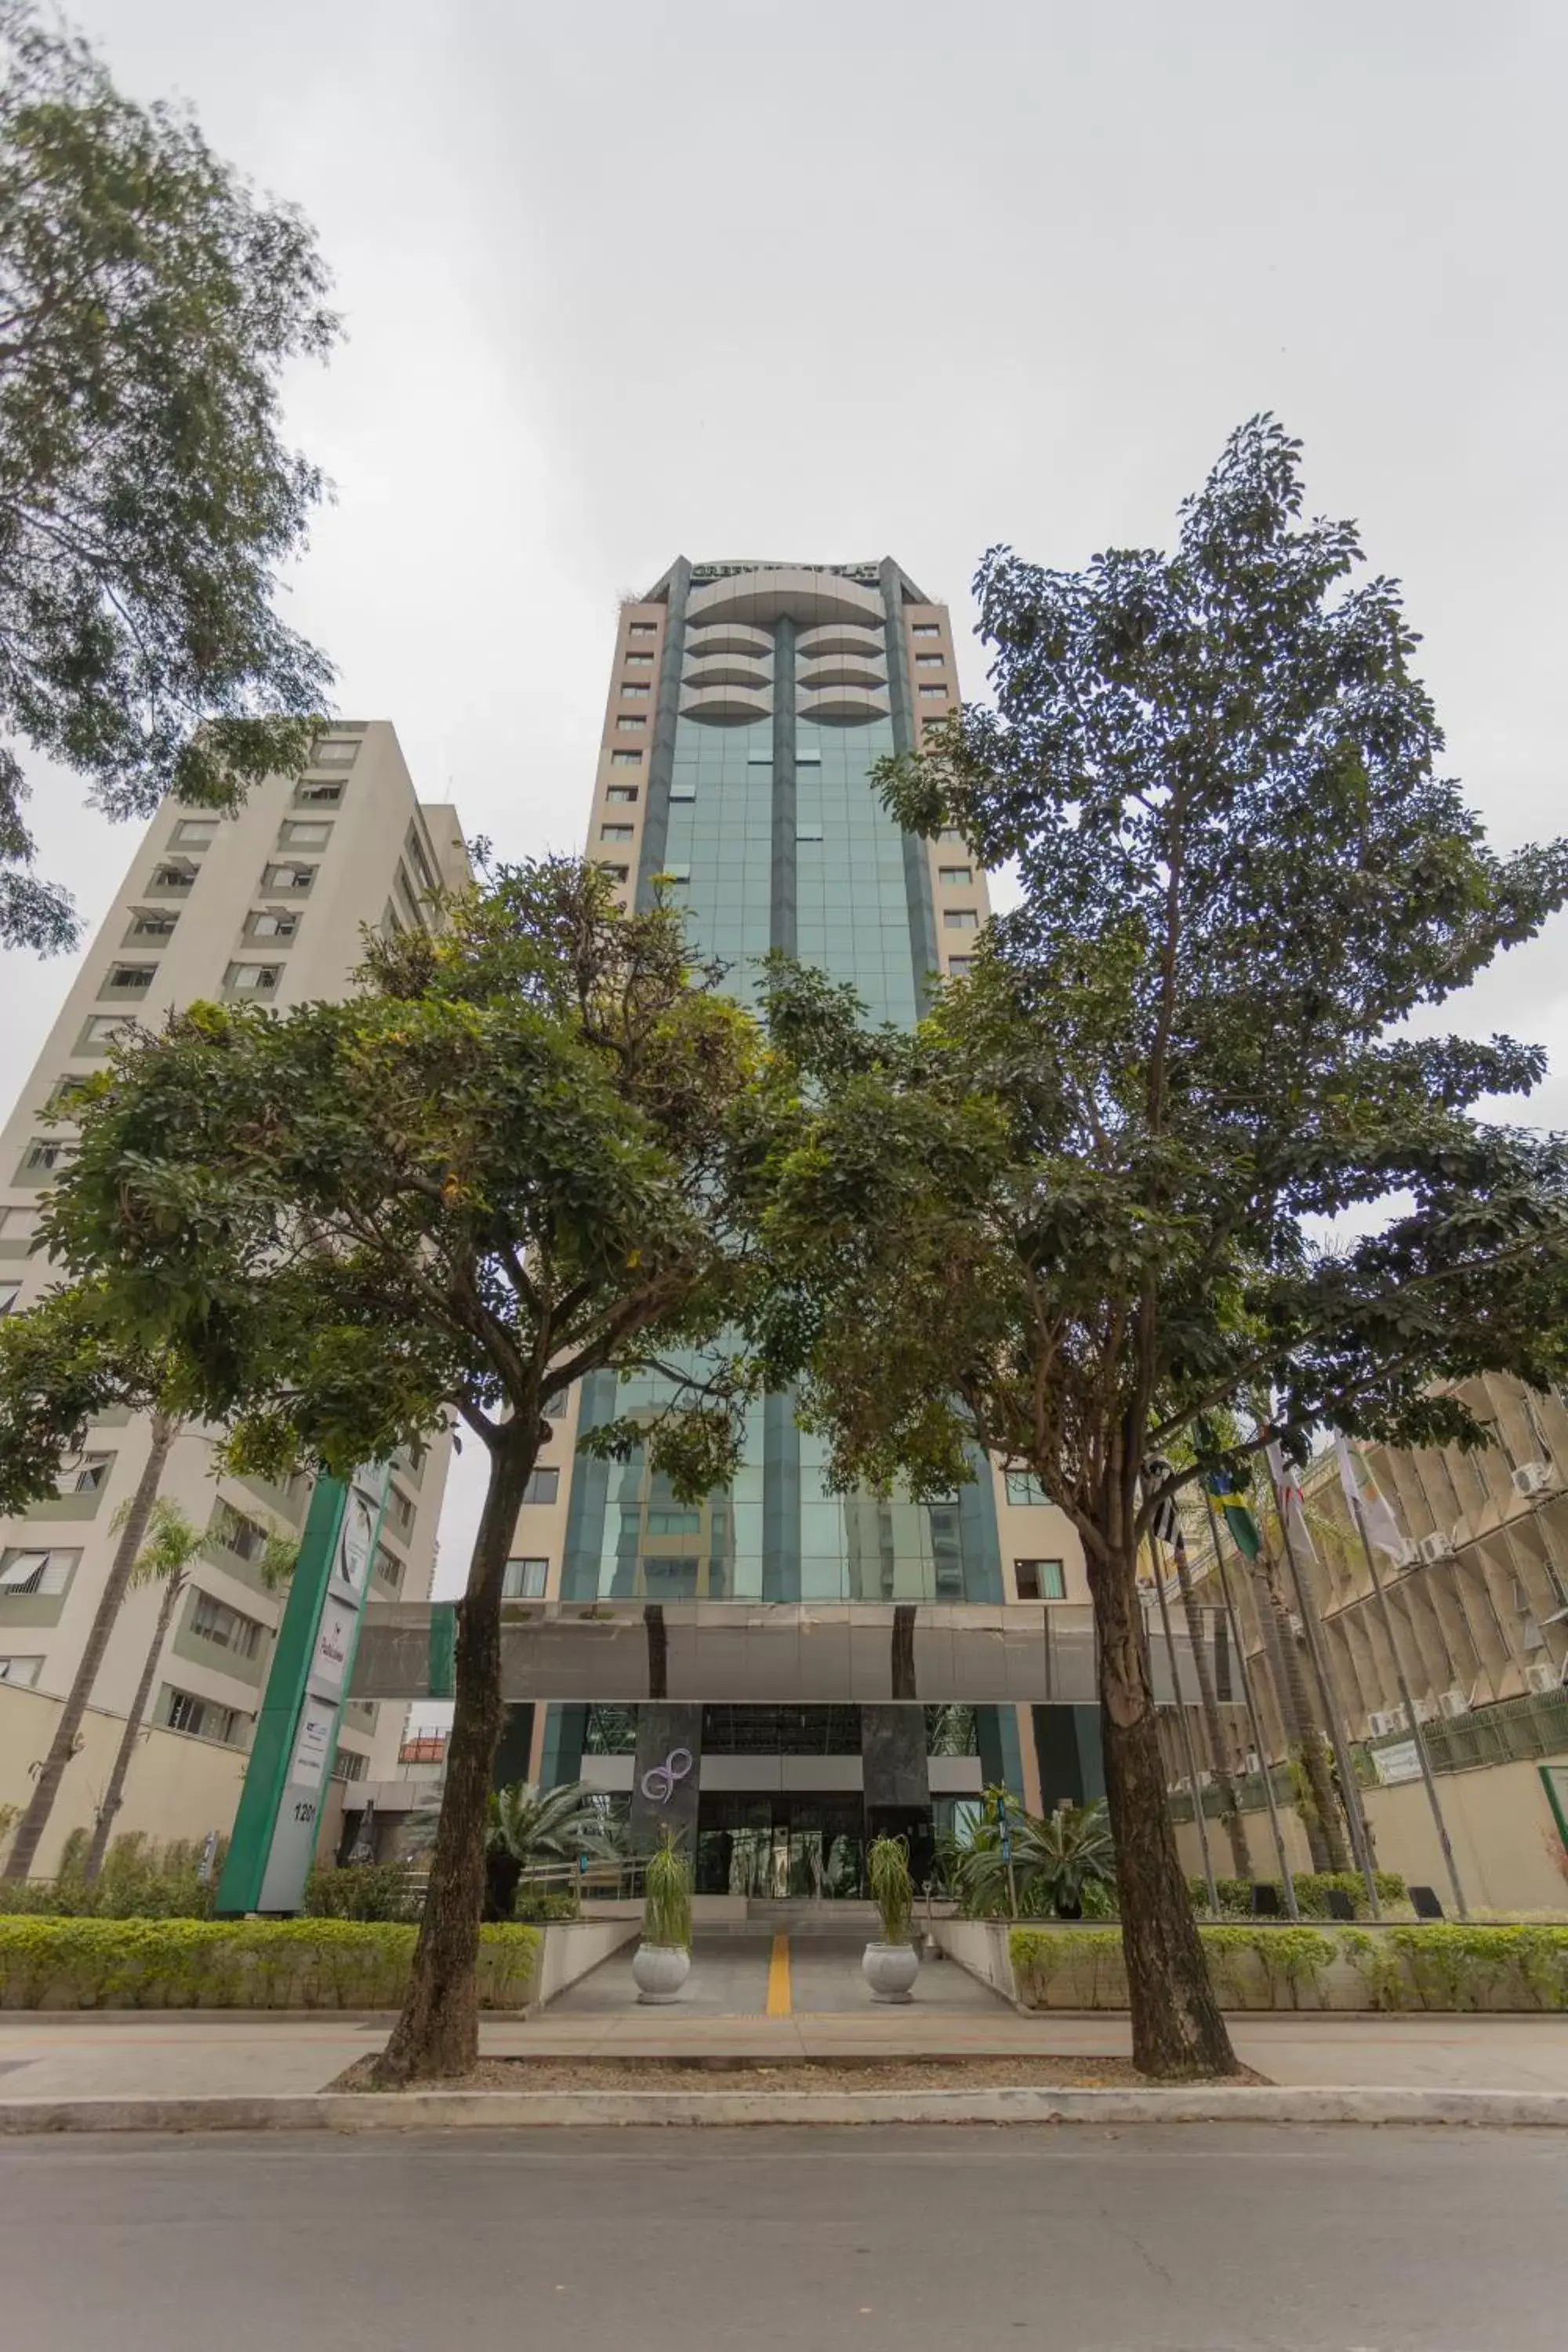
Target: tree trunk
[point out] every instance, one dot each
(1177, 2029)
(62, 1748)
(1219, 1756)
(174, 1585)
(1329, 1849)
(438, 2033)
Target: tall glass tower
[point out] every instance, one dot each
(749, 703)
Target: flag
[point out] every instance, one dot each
(1364, 1495)
(1237, 1509)
(1165, 1525)
(1291, 1501)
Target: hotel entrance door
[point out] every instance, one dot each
(780, 1848)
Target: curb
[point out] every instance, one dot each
(352, 2111)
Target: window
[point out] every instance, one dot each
(89, 1476)
(101, 1030)
(228, 1628)
(955, 877)
(173, 876)
(950, 837)
(525, 1580)
(288, 876)
(64, 1093)
(130, 978)
(615, 833)
(630, 726)
(252, 979)
(615, 873)
(642, 628)
(35, 1571)
(420, 863)
(400, 1510)
(933, 693)
(960, 966)
(40, 1157)
(333, 751)
(683, 788)
(644, 661)
(410, 1460)
(9, 1293)
(630, 691)
(1040, 1579)
(808, 829)
(152, 923)
(237, 1534)
(1023, 1487)
(959, 919)
(808, 755)
(204, 1718)
(271, 923)
(24, 1670)
(626, 758)
(926, 629)
(349, 1764)
(295, 833)
(681, 874)
(18, 1224)
(623, 795)
(674, 1522)
(386, 1569)
(929, 661)
(194, 833)
(318, 795)
(543, 1486)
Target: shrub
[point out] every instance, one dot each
(667, 1896)
(1312, 1890)
(1448, 1966)
(364, 1890)
(313, 1963)
(140, 1880)
(892, 1890)
(543, 1905)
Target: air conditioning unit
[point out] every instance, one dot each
(1543, 1677)
(1298, 1629)
(1535, 1478)
(1455, 1702)
(1407, 1555)
(1425, 1710)
(1385, 1720)
(1254, 1761)
(1435, 1548)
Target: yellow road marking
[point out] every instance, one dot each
(779, 2001)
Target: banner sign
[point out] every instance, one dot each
(291, 1767)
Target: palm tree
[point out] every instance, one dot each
(1054, 1860)
(532, 1828)
(172, 1544)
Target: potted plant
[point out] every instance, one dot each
(892, 1966)
(662, 1961)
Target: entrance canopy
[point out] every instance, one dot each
(713, 1651)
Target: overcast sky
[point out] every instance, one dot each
(726, 278)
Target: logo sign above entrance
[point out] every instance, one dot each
(658, 1781)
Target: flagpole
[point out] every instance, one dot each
(1198, 1813)
(1350, 1788)
(1244, 1675)
(1410, 1714)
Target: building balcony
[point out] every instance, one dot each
(727, 706)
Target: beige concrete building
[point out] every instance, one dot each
(267, 905)
(1472, 1617)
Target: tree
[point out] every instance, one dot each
(1078, 1209)
(174, 1543)
(1208, 1699)
(149, 303)
(513, 1158)
(59, 1371)
(532, 1828)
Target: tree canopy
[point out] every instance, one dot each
(149, 302)
(518, 1155)
(1085, 1204)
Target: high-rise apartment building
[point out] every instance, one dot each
(267, 905)
(748, 705)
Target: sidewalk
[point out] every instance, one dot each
(172, 2054)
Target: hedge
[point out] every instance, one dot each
(1454, 1966)
(61, 1963)
(1313, 1888)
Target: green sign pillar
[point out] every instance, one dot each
(290, 1771)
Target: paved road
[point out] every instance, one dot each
(1234, 2239)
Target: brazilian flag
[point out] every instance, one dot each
(1237, 1509)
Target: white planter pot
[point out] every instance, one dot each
(658, 1970)
(890, 1969)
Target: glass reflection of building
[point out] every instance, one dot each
(749, 706)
